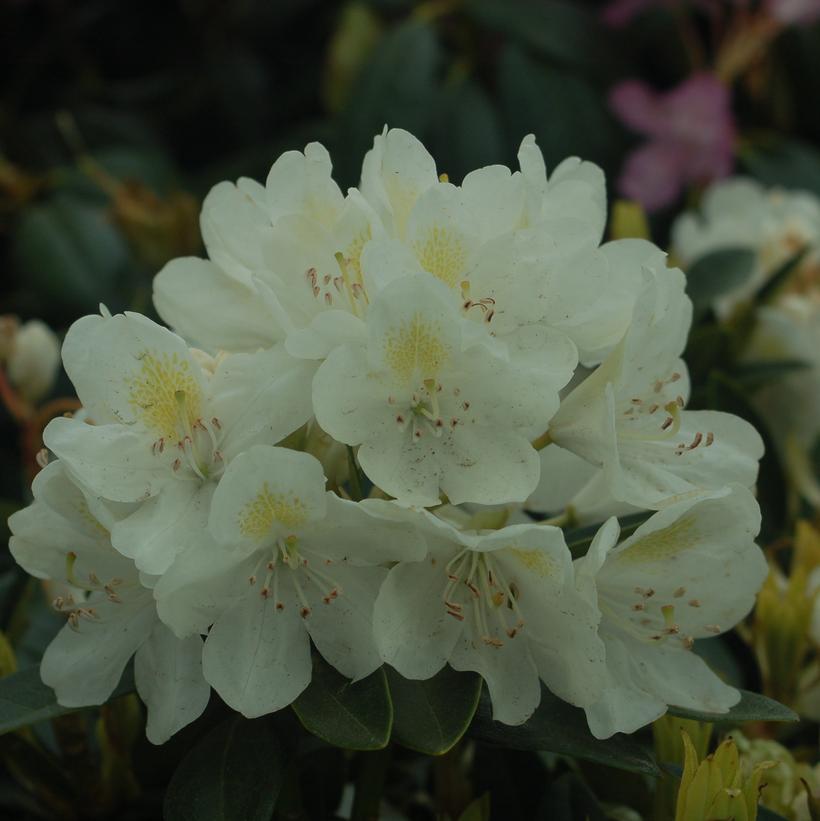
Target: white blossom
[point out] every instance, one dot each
(691, 571)
(503, 603)
(111, 615)
(435, 405)
(288, 562)
(165, 427)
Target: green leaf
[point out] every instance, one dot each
(24, 699)
(561, 31)
(70, 252)
(779, 278)
(569, 798)
(561, 728)
(356, 716)
(579, 539)
(718, 273)
(751, 707)
(787, 163)
(397, 87)
(431, 716)
(754, 375)
(466, 130)
(234, 772)
(567, 114)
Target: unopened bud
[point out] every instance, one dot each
(716, 786)
(781, 631)
(31, 353)
(784, 792)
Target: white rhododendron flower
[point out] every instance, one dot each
(790, 331)
(501, 602)
(437, 408)
(290, 562)
(417, 342)
(740, 213)
(628, 416)
(691, 571)
(112, 616)
(165, 427)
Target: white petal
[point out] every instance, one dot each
(264, 494)
(257, 657)
(260, 398)
(508, 671)
(327, 331)
(350, 403)
(211, 310)
(168, 674)
(395, 172)
(113, 461)
(494, 198)
(129, 369)
(645, 678)
(83, 666)
(698, 557)
(488, 465)
(202, 583)
(366, 532)
(234, 229)
(563, 474)
(301, 183)
(164, 526)
(413, 631)
(342, 629)
(560, 622)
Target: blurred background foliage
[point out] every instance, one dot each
(115, 120)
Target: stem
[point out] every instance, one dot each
(542, 441)
(370, 784)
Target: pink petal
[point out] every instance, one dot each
(636, 105)
(653, 175)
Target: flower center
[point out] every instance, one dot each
(491, 601)
(153, 393)
(285, 556)
(345, 289)
(68, 605)
(197, 454)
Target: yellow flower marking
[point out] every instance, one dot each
(662, 544)
(353, 254)
(89, 518)
(535, 561)
(259, 515)
(416, 347)
(153, 394)
(442, 253)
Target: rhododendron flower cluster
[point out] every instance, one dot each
(295, 466)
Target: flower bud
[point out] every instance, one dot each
(716, 787)
(31, 353)
(784, 793)
(781, 631)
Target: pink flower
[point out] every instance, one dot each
(794, 11)
(618, 13)
(690, 133)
